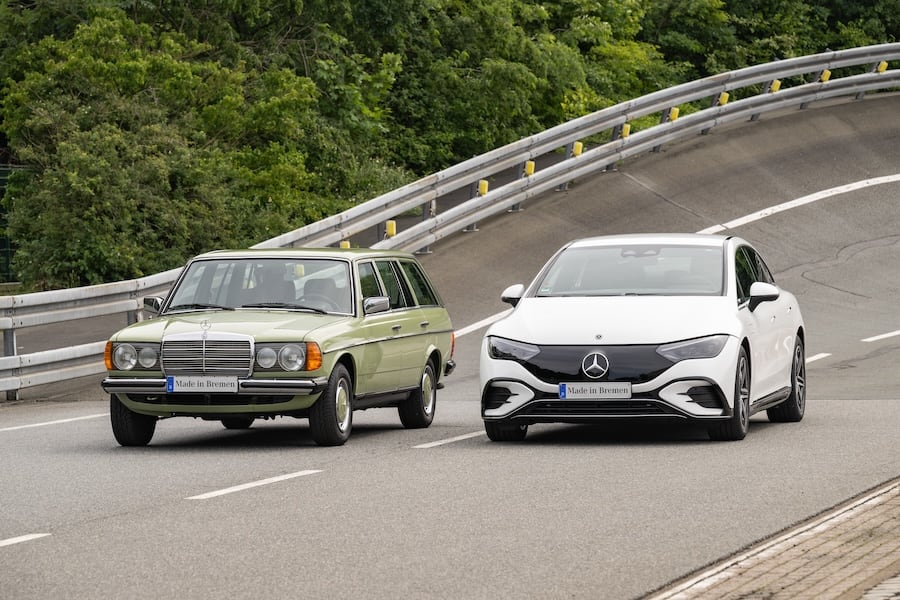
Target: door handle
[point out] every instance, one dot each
(423, 324)
(395, 327)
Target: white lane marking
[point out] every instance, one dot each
(883, 336)
(835, 191)
(54, 422)
(816, 357)
(22, 538)
(781, 544)
(458, 438)
(482, 323)
(246, 486)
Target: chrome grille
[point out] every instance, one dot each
(207, 357)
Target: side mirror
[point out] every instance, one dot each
(376, 304)
(152, 304)
(762, 292)
(513, 294)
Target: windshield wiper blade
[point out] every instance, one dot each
(285, 305)
(199, 307)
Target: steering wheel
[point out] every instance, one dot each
(322, 300)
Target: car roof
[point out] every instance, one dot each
(687, 239)
(288, 253)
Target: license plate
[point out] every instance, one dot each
(201, 383)
(600, 390)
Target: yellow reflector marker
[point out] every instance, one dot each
(529, 168)
(482, 187)
(391, 228)
(313, 356)
(345, 244)
(626, 130)
(577, 147)
(882, 66)
(723, 98)
(673, 113)
(776, 85)
(826, 75)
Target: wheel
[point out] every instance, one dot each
(238, 422)
(792, 409)
(331, 417)
(130, 428)
(737, 426)
(417, 411)
(505, 432)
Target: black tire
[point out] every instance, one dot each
(238, 422)
(792, 409)
(736, 427)
(331, 417)
(417, 411)
(130, 428)
(505, 432)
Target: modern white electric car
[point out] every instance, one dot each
(642, 326)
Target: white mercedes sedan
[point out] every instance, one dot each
(646, 326)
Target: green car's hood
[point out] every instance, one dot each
(263, 325)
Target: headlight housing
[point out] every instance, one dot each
(291, 357)
(127, 356)
(705, 347)
(505, 349)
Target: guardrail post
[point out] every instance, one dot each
(526, 169)
(718, 100)
(772, 87)
(429, 210)
(9, 349)
(619, 132)
(879, 67)
(668, 116)
(570, 152)
(478, 188)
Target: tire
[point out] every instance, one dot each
(736, 427)
(238, 422)
(331, 417)
(505, 432)
(792, 409)
(417, 411)
(130, 428)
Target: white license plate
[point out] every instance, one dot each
(201, 383)
(600, 390)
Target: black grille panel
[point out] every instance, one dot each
(207, 399)
(206, 357)
(595, 408)
(637, 364)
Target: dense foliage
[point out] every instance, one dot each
(150, 131)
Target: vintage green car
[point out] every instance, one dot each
(308, 332)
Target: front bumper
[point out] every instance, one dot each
(698, 389)
(250, 387)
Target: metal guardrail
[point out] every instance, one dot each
(28, 310)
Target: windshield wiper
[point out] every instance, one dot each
(199, 307)
(285, 305)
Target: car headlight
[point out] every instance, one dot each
(266, 357)
(504, 349)
(292, 357)
(147, 357)
(705, 347)
(125, 357)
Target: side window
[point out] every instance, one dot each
(762, 270)
(743, 268)
(392, 284)
(368, 281)
(423, 292)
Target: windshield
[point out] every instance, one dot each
(315, 285)
(635, 270)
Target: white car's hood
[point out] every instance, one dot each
(617, 319)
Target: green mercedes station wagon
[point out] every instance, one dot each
(312, 333)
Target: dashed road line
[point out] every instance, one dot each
(57, 422)
(458, 438)
(23, 538)
(883, 336)
(247, 486)
(816, 357)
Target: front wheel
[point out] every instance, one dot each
(736, 427)
(505, 432)
(331, 417)
(792, 409)
(417, 411)
(130, 428)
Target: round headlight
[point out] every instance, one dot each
(266, 358)
(124, 357)
(292, 357)
(147, 357)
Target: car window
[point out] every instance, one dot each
(392, 284)
(762, 269)
(423, 292)
(368, 281)
(635, 270)
(744, 270)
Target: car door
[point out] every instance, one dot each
(761, 325)
(386, 365)
(783, 325)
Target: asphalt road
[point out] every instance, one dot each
(574, 511)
